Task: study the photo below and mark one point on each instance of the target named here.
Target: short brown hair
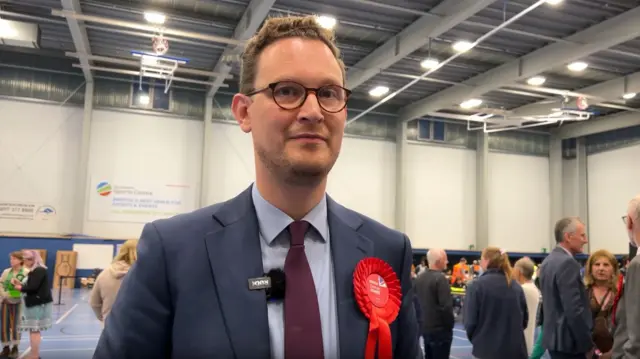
(278, 28)
(17, 255)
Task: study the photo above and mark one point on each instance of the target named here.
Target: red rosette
(379, 296)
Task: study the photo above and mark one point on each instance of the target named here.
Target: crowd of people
(581, 312)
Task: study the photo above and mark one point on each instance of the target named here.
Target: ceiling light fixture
(6, 30)
(629, 95)
(144, 99)
(327, 22)
(536, 80)
(578, 66)
(429, 63)
(155, 17)
(462, 46)
(554, 2)
(474, 102)
(378, 91)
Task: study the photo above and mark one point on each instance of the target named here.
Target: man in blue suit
(187, 297)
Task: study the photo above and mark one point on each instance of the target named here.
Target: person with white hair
(434, 296)
(626, 311)
(523, 271)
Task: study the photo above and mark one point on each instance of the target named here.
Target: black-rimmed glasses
(290, 95)
(624, 219)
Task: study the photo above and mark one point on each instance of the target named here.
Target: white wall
(39, 147)
(142, 149)
(613, 179)
(362, 179)
(519, 202)
(441, 197)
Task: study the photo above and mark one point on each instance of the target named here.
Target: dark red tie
(302, 329)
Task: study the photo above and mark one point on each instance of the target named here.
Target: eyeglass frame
(624, 219)
(272, 86)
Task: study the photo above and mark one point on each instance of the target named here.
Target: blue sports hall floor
(76, 331)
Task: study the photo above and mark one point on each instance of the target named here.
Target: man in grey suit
(568, 323)
(626, 342)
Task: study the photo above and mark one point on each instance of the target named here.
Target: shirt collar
(566, 250)
(273, 221)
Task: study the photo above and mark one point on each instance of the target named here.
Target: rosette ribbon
(379, 295)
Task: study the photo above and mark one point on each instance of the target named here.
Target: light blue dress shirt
(275, 242)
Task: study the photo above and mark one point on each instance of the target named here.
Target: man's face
(576, 240)
(300, 145)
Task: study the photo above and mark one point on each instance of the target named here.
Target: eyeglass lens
(291, 95)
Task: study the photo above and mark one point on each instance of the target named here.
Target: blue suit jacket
(187, 295)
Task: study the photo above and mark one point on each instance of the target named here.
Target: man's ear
(240, 109)
(630, 223)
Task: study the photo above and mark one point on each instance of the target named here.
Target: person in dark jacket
(495, 311)
(38, 301)
(436, 302)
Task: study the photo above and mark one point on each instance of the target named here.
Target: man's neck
(295, 201)
(564, 246)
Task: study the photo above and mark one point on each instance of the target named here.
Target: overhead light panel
(629, 95)
(474, 102)
(327, 22)
(577, 66)
(154, 17)
(462, 46)
(554, 2)
(144, 99)
(7, 30)
(378, 91)
(429, 63)
(536, 80)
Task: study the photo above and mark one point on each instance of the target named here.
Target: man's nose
(310, 109)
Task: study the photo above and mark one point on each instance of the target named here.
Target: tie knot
(298, 229)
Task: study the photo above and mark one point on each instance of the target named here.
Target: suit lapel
(348, 247)
(235, 256)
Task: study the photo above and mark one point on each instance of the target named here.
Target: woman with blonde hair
(10, 309)
(37, 306)
(108, 282)
(495, 310)
(600, 277)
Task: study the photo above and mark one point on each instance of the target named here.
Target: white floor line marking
(65, 315)
(24, 353)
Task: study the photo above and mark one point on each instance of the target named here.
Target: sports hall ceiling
(383, 43)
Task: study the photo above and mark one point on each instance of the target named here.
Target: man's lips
(308, 136)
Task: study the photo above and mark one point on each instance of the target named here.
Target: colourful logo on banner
(103, 188)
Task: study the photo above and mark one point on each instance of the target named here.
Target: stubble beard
(294, 174)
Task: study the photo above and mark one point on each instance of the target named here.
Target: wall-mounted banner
(26, 211)
(112, 201)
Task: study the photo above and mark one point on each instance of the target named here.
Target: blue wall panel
(52, 245)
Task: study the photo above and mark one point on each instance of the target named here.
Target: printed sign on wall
(26, 211)
(137, 203)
